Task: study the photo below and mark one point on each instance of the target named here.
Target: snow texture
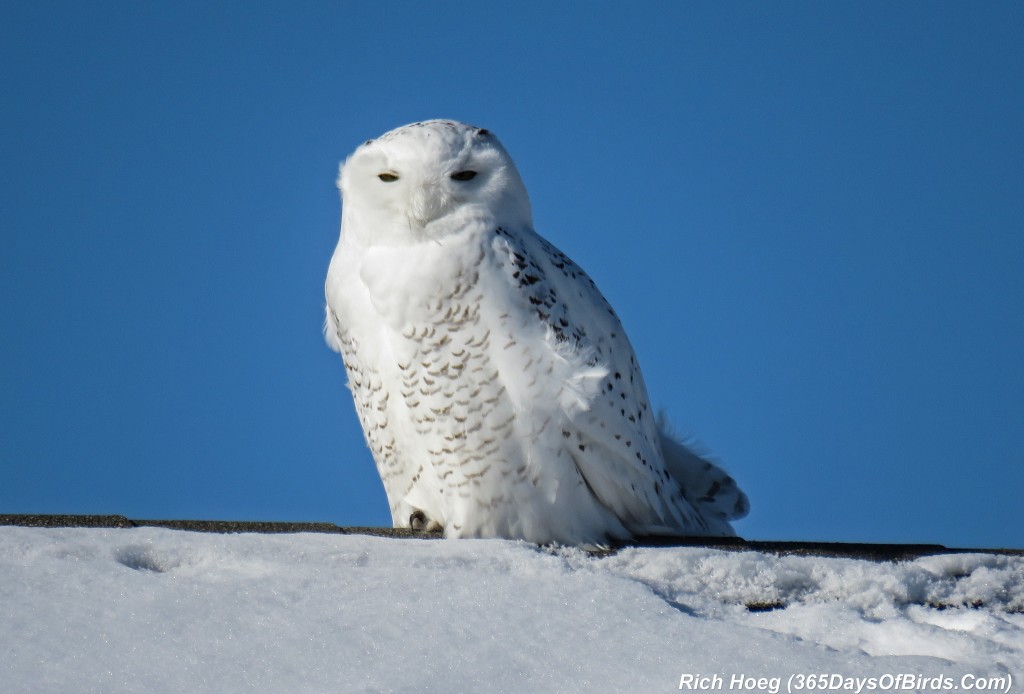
(156, 610)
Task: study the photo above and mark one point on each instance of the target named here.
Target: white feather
(496, 388)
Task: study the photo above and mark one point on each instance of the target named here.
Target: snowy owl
(494, 383)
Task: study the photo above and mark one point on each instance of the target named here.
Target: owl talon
(418, 521)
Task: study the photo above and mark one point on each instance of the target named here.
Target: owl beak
(428, 203)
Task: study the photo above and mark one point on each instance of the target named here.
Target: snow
(156, 610)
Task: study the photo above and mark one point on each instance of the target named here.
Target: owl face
(427, 181)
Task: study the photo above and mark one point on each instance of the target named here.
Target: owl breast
(464, 394)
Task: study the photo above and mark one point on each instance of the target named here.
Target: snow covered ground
(156, 610)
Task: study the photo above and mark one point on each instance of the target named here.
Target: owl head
(427, 181)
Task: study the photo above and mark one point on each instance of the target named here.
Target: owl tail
(713, 493)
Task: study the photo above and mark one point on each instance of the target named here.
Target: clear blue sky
(809, 216)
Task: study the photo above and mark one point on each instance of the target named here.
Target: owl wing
(370, 389)
(608, 428)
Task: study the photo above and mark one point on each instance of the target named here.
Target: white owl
(495, 385)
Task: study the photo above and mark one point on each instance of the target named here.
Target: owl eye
(387, 177)
(463, 175)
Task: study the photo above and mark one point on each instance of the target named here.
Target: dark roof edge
(852, 550)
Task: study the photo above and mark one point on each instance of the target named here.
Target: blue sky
(809, 216)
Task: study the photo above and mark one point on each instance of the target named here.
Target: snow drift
(155, 610)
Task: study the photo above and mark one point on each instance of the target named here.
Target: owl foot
(418, 521)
